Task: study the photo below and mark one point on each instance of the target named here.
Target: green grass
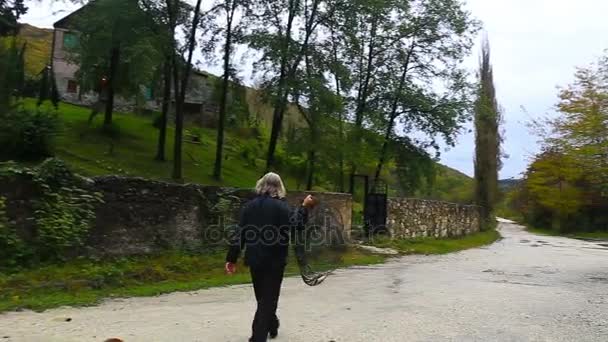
(438, 246)
(88, 150)
(574, 235)
(87, 282)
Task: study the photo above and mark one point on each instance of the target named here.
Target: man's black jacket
(264, 229)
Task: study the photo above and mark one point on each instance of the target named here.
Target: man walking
(264, 229)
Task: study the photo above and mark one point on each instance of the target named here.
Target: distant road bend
(523, 288)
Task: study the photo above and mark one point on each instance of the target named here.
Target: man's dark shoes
(274, 329)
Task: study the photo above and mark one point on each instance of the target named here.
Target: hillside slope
(131, 153)
(38, 50)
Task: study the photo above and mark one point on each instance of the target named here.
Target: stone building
(198, 97)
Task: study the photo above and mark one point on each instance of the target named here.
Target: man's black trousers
(267, 287)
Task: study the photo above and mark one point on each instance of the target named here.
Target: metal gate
(375, 209)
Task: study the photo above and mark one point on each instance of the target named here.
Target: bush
(27, 135)
(12, 248)
(250, 153)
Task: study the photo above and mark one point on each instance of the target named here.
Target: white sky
(536, 45)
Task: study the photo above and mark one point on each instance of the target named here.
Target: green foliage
(565, 188)
(62, 212)
(12, 248)
(447, 185)
(117, 24)
(414, 167)
(27, 134)
(10, 12)
(487, 138)
(11, 71)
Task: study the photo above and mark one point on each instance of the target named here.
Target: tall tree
(436, 36)
(581, 130)
(317, 105)
(167, 15)
(232, 33)
(181, 86)
(11, 56)
(566, 186)
(116, 41)
(487, 137)
(553, 181)
(10, 12)
(283, 48)
(369, 32)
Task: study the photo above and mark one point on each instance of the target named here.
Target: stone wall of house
(412, 218)
(141, 216)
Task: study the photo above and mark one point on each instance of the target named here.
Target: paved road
(523, 288)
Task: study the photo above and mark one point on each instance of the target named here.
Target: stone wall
(141, 216)
(412, 218)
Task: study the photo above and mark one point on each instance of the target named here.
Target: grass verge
(438, 246)
(87, 282)
(577, 235)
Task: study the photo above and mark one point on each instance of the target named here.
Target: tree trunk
(362, 101)
(217, 170)
(341, 154)
(181, 97)
(179, 123)
(311, 169)
(393, 115)
(114, 60)
(340, 117)
(277, 115)
(285, 79)
(162, 130)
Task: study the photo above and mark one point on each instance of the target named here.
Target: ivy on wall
(62, 212)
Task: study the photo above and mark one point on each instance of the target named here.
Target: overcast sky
(536, 45)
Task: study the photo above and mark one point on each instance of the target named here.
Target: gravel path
(523, 288)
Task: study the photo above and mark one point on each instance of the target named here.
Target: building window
(70, 40)
(148, 94)
(72, 87)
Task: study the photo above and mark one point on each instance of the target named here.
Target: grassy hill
(450, 185)
(38, 51)
(508, 184)
(131, 150)
(131, 153)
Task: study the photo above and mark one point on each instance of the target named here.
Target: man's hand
(230, 268)
(309, 202)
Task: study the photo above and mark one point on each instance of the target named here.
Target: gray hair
(271, 185)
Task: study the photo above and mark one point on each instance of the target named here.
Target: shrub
(250, 152)
(12, 248)
(27, 135)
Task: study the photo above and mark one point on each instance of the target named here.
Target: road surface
(523, 288)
